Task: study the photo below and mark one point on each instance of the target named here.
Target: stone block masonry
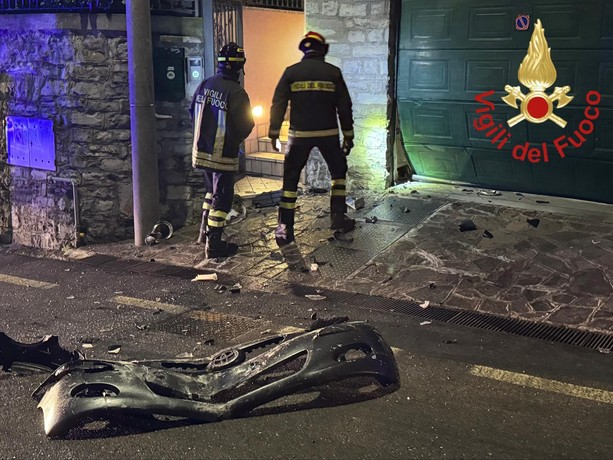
(358, 33)
(79, 79)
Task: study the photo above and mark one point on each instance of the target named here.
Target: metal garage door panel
(461, 75)
(477, 24)
(497, 169)
(443, 162)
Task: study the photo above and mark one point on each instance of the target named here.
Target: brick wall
(358, 34)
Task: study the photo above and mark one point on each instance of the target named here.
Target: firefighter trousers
(219, 186)
(296, 157)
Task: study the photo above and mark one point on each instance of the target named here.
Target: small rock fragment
(534, 222)
(487, 234)
(467, 226)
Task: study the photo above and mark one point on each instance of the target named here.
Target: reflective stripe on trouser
(337, 197)
(287, 207)
(217, 218)
(207, 204)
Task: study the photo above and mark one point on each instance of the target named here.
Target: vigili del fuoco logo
(537, 73)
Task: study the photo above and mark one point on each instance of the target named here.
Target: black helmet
(231, 58)
(313, 43)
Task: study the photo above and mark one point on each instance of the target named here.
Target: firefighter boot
(284, 235)
(341, 223)
(216, 247)
(202, 235)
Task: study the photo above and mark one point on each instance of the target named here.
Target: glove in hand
(274, 141)
(347, 146)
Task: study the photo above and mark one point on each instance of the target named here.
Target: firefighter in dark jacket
(318, 98)
(222, 118)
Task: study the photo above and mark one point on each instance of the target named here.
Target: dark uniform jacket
(222, 118)
(316, 92)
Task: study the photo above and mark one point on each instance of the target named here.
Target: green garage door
(451, 51)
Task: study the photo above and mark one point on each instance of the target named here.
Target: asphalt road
(465, 393)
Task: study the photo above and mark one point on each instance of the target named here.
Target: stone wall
(76, 74)
(358, 33)
(5, 202)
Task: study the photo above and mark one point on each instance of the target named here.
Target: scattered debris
(185, 355)
(371, 220)
(425, 304)
(315, 296)
(355, 203)
(314, 267)
(87, 345)
(406, 210)
(209, 342)
(324, 322)
(206, 277)
(268, 199)
(414, 191)
(606, 351)
(542, 202)
(162, 230)
(467, 190)
(432, 285)
(70, 297)
(314, 316)
(114, 349)
(489, 192)
(595, 242)
(534, 222)
(451, 341)
(425, 323)
(467, 226)
(45, 354)
(235, 289)
(487, 234)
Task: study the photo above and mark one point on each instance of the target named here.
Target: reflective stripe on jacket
(316, 92)
(222, 118)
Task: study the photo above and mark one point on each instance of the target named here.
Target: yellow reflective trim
(337, 192)
(338, 182)
(348, 133)
(208, 196)
(288, 194)
(220, 135)
(218, 213)
(206, 205)
(320, 133)
(216, 223)
(327, 86)
(231, 59)
(207, 156)
(285, 205)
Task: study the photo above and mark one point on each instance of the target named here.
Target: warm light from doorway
(257, 111)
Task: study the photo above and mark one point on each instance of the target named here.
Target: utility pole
(208, 22)
(145, 185)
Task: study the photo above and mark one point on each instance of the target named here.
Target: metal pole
(210, 63)
(142, 114)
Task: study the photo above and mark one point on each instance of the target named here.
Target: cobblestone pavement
(538, 258)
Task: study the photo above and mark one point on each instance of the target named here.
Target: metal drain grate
(524, 328)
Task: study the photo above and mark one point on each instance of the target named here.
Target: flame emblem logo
(537, 73)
